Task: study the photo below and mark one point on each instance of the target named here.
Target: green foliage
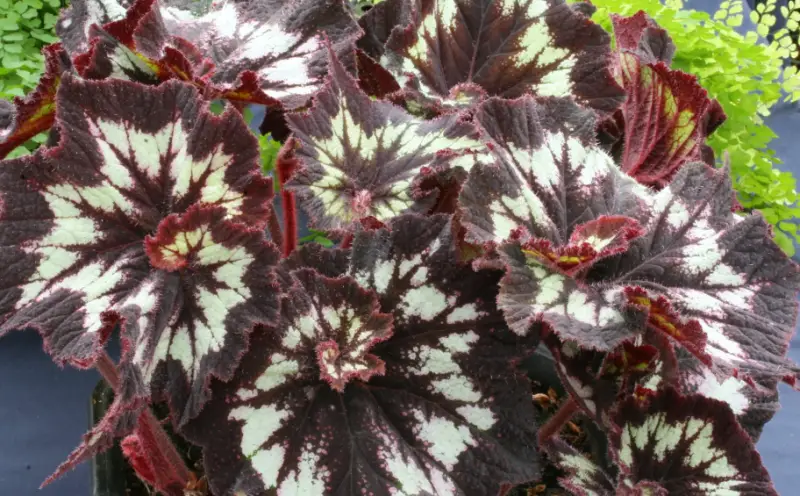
(316, 237)
(746, 77)
(269, 153)
(25, 27)
(361, 6)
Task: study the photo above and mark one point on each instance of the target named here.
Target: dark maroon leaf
(665, 109)
(379, 22)
(687, 445)
(549, 176)
(716, 277)
(663, 318)
(373, 78)
(266, 51)
(139, 48)
(590, 242)
(364, 158)
(76, 20)
(26, 117)
(595, 318)
(507, 48)
(718, 268)
(133, 162)
(580, 372)
(641, 35)
(327, 262)
(582, 476)
(445, 415)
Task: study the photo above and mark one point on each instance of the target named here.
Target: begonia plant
(531, 278)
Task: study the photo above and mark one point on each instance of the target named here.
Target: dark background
(44, 410)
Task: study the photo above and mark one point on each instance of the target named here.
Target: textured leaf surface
(26, 117)
(717, 268)
(364, 158)
(753, 406)
(532, 292)
(714, 281)
(550, 174)
(446, 415)
(139, 48)
(640, 34)
(75, 219)
(582, 477)
(664, 112)
(686, 445)
(76, 21)
(454, 50)
(266, 50)
(379, 22)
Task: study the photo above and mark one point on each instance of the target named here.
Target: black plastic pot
(111, 475)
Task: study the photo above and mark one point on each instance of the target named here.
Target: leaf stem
(553, 426)
(285, 166)
(347, 242)
(149, 426)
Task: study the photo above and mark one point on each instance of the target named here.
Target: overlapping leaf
(553, 183)
(583, 477)
(665, 110)
(675, 444)
(139, 48)
(266, 51)
(691, 270)
(716, 268)
(26, 117)
(134, 162)
(753, 405)
(550, 174)
(76, 21)
(363, 158)
(454, 52)
(594, 317)
(438, 410)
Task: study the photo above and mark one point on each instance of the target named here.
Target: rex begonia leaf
(364, 158)
(640, 34)
(266, 51)
(75, 22)
(753, 405)
(589, 243)
(673, 444)
(379, 22)
(26, 117)
(717, 268)
(594, 317)
(135, 216)
(431, 407)
(455, 50)
(549, 174)
(582, 476)
(664, 112)
(702, 265)
(139, 48)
